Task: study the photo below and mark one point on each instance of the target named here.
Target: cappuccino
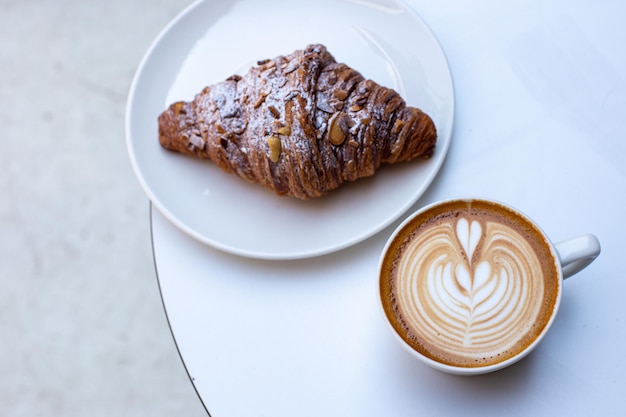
(469, 283)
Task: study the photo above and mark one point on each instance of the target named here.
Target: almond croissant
(300, 124)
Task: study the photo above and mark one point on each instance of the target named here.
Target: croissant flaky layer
(300, 124)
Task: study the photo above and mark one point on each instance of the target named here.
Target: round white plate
(211, 40)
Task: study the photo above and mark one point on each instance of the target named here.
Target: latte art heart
(470, 302)
(469, 290)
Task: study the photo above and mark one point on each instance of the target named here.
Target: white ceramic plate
(211, 40)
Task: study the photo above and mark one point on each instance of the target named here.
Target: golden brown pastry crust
(300, 124)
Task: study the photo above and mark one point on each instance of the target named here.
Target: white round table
(540, 124)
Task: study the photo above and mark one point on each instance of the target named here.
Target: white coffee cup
(470, 286)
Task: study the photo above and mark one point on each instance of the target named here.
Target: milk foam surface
(470, 290)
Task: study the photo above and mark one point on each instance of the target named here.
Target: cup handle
(575, 254)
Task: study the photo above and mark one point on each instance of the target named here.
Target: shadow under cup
(469, 286)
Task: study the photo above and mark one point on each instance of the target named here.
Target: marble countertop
(82, 324)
